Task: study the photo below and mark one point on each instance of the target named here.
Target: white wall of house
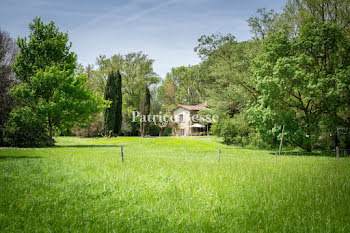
(183, 128)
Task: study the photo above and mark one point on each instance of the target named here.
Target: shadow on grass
(303, 153)
(86, 146)
(19, 157)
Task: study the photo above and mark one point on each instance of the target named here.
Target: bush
(237, 131)
(26, 129)
(233, 130)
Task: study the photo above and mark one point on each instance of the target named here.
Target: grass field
(169, 185)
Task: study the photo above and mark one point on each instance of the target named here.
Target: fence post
(276, 157)
(219, 155)
(281, 141)
(121, 150)
(337, 151)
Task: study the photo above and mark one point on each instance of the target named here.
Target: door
(182, 132)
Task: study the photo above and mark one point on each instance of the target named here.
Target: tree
(8, 51)
(96, 84)
(182, 86)
(45, 47)
(113, 114)
(50, 86)
(230, 87)
(211, 43)
(298, 13)
(163, 120)
(62, 97)
(303, 81)
(119, 105)
(263, 23)
(137, 72)
(145, 109)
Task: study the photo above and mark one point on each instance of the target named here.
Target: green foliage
(237, 130)
(26, 129)
(136, 70)
(119, 105)
(301, 83)
(263, 23)
(96, 83)
(60, 95)
(145, 109)
(230, 88)
(298, 13)
(46, 47)
(300, 79)
(182, 86)
(113, 114)
(209, 44)
(52, 90)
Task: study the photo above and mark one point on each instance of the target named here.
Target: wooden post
(121, 150)
(337, 151)
(281, 141)
(276, 157)
(219, 155)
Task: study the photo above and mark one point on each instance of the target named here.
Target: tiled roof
(193, 107)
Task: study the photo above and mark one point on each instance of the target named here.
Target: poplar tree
(119, 104)
(110, 112)
(145, 109)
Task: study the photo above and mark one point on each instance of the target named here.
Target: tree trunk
(50, 128)
(161, 130)
(142, 129)
(336, 139)
(308, 147)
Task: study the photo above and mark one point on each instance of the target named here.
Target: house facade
(184, 125)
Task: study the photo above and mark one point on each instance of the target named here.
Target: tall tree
(297, 13)
(209, 44)
(119, 104)
(50, 86)
(112, 95)
(263, 23)
(45, 47)
(136, 70)
(8, 51)
(229, 85)
(303, 81)
(182, 85)
(145, 109)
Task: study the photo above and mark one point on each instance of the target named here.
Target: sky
(166, 30)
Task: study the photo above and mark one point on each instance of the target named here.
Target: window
(181, 118)
(182, 132)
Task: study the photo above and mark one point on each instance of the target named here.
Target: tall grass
(169, 185)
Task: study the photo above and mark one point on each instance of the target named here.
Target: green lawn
(169, 185)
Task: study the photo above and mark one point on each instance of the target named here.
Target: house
(186, 123)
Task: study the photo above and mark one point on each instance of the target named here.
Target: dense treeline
(300, 77)
(294, 71)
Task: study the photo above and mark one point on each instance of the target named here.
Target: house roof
(193, 107)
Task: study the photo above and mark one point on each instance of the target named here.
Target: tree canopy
(50, 88)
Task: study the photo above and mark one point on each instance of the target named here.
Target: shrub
(237, 131)
(26, 129)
